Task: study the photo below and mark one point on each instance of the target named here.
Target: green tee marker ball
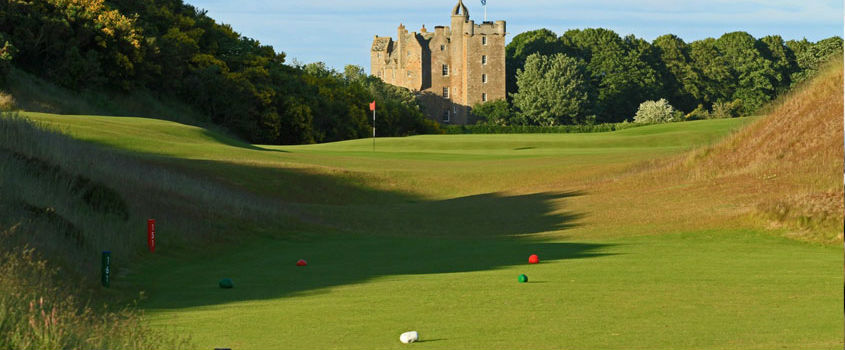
(523, 278)
(226, 283)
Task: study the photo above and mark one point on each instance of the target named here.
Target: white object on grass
(409, 337)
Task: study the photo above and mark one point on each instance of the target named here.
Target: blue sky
(340, 32)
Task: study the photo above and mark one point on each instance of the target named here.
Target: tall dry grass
(42, 309)
(785, 170)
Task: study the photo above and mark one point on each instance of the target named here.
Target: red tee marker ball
(301, 262)
(533, 259)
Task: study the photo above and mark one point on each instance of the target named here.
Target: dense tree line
(595, 75)
(169, 47)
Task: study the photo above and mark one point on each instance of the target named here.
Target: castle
(450, 69)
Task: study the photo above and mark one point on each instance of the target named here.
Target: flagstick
(374, 129)
(485, 13)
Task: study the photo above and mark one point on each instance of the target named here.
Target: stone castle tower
(450, 69)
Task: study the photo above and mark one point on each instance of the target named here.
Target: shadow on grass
(230, 141)
(267, 270)
(398, 234)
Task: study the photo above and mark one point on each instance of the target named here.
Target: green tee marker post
(106, 268)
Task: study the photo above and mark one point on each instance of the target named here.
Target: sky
(341, 32)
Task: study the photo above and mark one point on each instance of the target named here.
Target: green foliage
(653, 112)
(756, 78)
(552, 90)
(496, 112)
(621, 71)
(542, 41)
(676, 71)
(723, 109)
(810, 57)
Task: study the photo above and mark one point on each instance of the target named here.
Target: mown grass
(725, 289)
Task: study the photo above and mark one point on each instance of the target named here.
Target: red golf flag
(373, 105)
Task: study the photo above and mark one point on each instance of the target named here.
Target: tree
(774, 49)
(715, 80)
(552, 90)
(542, 41)
(756, 79)
(676, 71)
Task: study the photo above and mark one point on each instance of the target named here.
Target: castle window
(409, 74)
(446, 115)
(446, 92)
(484, 78)
(483, 59)
(483, 40)
(483, 97)
(442, 47)
(445, 70)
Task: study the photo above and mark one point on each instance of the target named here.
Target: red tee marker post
(151, 235)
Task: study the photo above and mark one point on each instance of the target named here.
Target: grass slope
(430, 232)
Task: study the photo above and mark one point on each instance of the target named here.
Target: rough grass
(41, 308)
(785, 169)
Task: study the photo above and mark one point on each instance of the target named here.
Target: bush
(723, 109)
(659, 111)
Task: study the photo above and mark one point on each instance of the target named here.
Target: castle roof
(460, 9)
(381, 43)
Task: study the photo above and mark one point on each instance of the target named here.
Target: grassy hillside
(796, 155)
